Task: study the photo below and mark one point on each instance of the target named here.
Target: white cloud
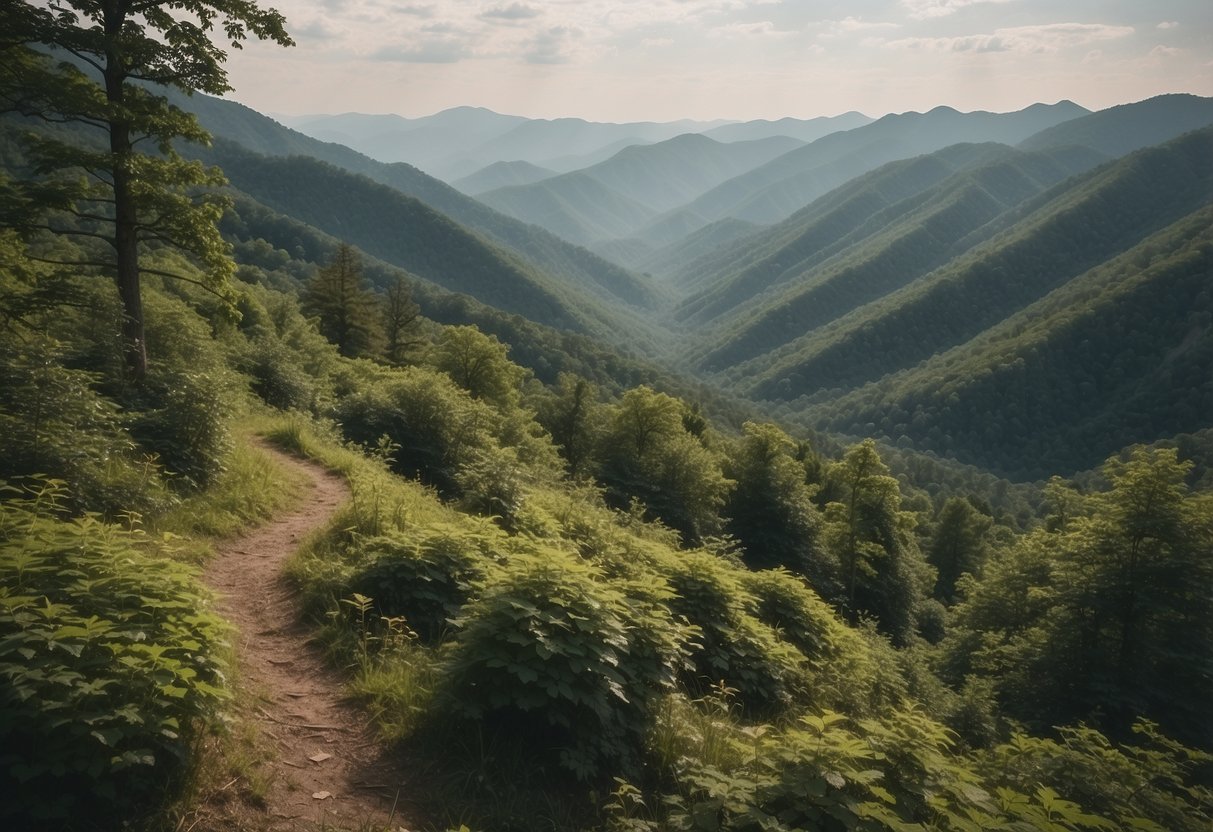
(438, 51)
(926, 9)
(551, 45)
(1168, 24)
(851, 25)
(512, 12)
(1048, 37)
(762, 28)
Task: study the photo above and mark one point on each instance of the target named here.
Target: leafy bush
(564, 663)
(108, 662)
(53, 422)
(426, 579)
(277, 378)
(732, 645)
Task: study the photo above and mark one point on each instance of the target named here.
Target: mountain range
(997, 289)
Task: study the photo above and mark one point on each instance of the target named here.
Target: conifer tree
(115, 180)
(346, 311)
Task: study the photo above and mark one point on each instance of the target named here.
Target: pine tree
(106, 188)
(346, 311)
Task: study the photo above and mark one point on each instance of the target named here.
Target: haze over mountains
(913, 277)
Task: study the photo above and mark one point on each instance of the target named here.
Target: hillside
(1128, 127)
(574, 206)
(867, 240)
(501, 175)
(1119, 355)
(1053, 238)
(407, 233)
(804, 130)
(557, 258)
(777, 189)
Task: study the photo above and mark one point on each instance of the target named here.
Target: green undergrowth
(587, 673)
(111, 662)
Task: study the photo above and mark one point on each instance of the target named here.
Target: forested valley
(856, 477)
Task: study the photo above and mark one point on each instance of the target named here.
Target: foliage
(110, 660)
(425, 578)
(546, 654)
(733, 647)
(347, 313)
(154, 196)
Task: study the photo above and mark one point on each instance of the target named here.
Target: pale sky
(660, 60)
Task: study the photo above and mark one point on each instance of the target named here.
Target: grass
(252, 488)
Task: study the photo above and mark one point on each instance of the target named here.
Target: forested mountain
(407, 233)
(575, 206)
(427, 143)
(557, 258)
(501, 175)
(1128, 127)
(1044, 243)
(864, 241)
(777, 189)
(1120, 354)
(805, 130)
(616, 197)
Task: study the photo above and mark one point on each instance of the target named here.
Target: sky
(661, 60)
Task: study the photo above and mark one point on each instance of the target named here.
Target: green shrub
(108, 665)
(53, 422)
(427, 579)
(563, 663)
(733, 646)
(277, 378)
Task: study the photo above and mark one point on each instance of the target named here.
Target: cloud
(1048, 37)
(850, 25)
(1168, 24)
(437, 51)
(1161, 51)
(926, 9)
(512, 12)
(657, 42)
(762, 28)
(551, 45)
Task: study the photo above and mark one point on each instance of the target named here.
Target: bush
(564, 663)
(108, 666)
(427, 579)
(733, 646)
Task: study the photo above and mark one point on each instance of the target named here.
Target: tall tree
(346, 311)
(400, 317)
(123, 187)
(958, 544)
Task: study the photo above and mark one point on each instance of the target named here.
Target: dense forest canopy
(660, 604)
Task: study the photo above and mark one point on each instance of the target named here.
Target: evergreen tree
(958, 545)
(346, 311)
(400, 318)
(106, 189)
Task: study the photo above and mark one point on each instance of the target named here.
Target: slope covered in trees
(1046, 242)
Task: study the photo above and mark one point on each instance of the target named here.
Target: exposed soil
(321, 765)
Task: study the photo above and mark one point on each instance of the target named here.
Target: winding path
(325, 768)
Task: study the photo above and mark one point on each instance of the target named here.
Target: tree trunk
(126, 231)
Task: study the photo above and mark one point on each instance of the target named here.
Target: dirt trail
(325, 769)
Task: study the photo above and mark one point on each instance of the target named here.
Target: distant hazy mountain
(574, 206)
(806, 130)
(614, 198)
(502, 175)
(426, 142)
(1128, 127)
(548, 253)
(786, 184)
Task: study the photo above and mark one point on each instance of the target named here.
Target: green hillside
(861, 251)
(501, 175)
(1055, 237)
(777, 189)
(1120, 354)
(671, 173)
(575, 206)
(559, 259)
(1128, 127)
(407, 233)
